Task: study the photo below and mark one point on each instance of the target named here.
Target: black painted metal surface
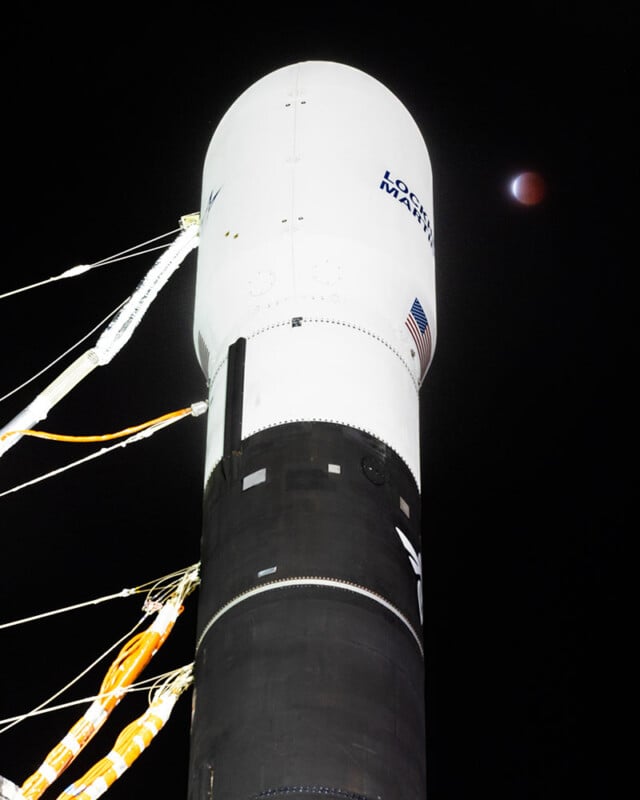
(309, 668)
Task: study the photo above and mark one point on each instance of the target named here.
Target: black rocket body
(315, 325)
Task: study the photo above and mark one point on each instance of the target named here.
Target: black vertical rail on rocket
(233, 407)
(309, 666)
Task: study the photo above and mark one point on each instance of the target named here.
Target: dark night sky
(105, 128)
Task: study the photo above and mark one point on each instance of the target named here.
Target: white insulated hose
(111, 341)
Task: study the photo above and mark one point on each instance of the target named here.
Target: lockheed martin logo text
(399, 189)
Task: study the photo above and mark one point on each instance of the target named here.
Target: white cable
(125, 751)
(139, 686)
(110, 342)
(45, 614)
(117, 256)
(176, 676)
(114, 259)
(82, 268)
(44, 703)
(165, 615)
(40, 406)
(155, 584)
(177, 574)
(66, 352)
(135, 438)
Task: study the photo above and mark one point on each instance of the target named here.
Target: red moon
(528, 188)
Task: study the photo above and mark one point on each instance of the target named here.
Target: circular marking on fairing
(332, 583)
(261, 282)
(327, 273)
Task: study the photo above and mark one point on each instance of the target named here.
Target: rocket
(315, 325)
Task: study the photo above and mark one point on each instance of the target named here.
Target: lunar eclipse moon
(528, 188)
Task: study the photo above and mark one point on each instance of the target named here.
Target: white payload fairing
(316, 245)
(315, 324)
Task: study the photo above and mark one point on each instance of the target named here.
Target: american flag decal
(421, 333)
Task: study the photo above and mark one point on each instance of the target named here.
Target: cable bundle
(135, 738)
(129, 663)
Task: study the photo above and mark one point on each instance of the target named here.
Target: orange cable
(131, 660)
(58, 437)
(131, 742)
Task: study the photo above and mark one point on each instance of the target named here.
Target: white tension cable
(80, 269)
(113, 339)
